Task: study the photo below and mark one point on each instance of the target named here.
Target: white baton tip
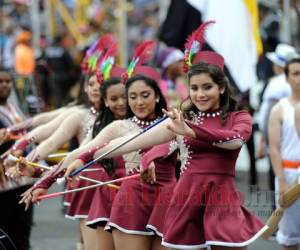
(60, 181)
(10, 157)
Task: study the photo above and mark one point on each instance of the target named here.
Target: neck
(96, 106)
(3, 101)
(143, 122)
(295, 97)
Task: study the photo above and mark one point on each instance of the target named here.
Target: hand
(17, 152)
(148, 174)
(13, 173)
(262, 149)
(31, 196)
(3, 135)
(73, 166)
(21, 169)
(283, 187)
(177, 123)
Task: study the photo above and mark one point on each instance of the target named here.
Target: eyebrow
(143, 92)
(203, 84)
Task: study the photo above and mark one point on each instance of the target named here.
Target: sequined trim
(229, 141)
(173, 146)
(143, 123)
(185, 153)
(87, 124)
(198, 118)
(133, 159)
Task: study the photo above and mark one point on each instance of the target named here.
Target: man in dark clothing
(15, 222)
(60, 65)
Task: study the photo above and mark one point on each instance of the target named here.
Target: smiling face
(93, 91)
(204, 92)
(115, 100)
(142, 100)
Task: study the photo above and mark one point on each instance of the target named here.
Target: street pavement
(52, 231)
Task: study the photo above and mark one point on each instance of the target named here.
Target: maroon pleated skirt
(139, 207)
(81, 201)
(207, 210)
(104, 196)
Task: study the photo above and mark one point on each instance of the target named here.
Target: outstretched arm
(157, 135)
(230, 139)
(37, 120)
(44, 131)
(65, 131)
(110, 132)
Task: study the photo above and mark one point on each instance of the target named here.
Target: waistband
(290, 164)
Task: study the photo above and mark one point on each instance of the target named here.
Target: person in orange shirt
(24, 55)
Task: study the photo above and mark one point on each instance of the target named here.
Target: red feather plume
(144, 51)
(197, 35)
(111, 51)
(105, 41)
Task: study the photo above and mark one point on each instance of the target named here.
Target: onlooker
(60, 64)
(284, 153)
(173, 86)
(277, 88)
(7, 48)
(14, 220)
(269, 27)
(24, 54)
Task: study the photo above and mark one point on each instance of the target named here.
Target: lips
(121, 110)
(141, 110)
(202, 102)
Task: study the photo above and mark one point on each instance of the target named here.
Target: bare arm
(37, 120)
(297, 119)
(157, 135)
(46, 116)
(107, 134)
(66, 130)
(44, 131)
(274, 131)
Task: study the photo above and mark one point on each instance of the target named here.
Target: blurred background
(51, 36)
(58, 32)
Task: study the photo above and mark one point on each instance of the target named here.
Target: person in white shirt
(277, 89)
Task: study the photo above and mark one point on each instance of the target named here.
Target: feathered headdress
(194, 44)
(142, 54)
(106, 63)
(95, 52)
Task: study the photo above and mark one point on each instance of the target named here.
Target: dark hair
(286, 68)
(228, 102)
(104, 118)
(82, 98)
(162, 104)
(105, 115)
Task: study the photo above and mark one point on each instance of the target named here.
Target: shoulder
(297, 109)
(277, 110)
(240, 115)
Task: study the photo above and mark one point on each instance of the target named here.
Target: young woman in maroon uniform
(145, 207)
(205, 209)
